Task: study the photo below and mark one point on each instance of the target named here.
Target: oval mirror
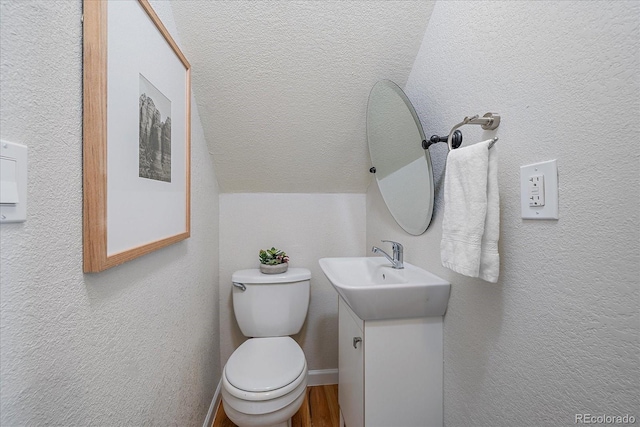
(402, 167)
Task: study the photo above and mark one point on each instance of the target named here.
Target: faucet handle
(396, 246)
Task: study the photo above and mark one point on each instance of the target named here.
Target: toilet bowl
(265, 379)
(264, 382)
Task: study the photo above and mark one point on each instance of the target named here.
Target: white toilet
(265, 379)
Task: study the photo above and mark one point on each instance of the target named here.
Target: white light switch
(13, 182)
(8, 182)
(539, 190)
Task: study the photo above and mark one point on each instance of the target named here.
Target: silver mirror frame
(402, 167)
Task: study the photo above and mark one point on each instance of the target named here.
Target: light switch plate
(14, 158)
(547, 174)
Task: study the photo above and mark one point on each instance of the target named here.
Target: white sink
(375, 291)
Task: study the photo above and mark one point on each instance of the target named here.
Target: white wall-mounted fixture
(539, 190)
(390, 334)
(13, 182)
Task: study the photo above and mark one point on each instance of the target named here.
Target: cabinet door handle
(356, 340)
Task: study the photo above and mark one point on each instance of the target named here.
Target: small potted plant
(273, 261)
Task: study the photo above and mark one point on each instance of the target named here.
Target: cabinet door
(350, 368)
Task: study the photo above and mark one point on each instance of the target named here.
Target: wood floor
(319, 409)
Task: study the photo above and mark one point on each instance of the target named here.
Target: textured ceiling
(282, 87)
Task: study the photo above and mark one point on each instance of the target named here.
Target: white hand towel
(471, 223)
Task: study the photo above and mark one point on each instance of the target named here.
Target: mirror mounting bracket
(456, 140)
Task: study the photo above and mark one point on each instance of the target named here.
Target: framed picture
(137, 132)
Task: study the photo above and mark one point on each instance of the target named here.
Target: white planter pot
(274, 269)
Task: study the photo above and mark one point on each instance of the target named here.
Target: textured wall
(134, 345)
(308, 227)
(559, 333)
(283, 86)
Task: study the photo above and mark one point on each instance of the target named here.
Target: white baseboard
(215, 402)
(322, 377)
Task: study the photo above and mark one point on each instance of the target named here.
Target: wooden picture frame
(136, 136)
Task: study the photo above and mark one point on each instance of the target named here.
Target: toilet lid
(265, 364)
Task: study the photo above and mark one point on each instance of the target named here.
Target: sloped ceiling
(282, 86)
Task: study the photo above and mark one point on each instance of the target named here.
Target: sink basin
(375, 291)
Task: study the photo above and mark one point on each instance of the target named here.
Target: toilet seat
(265, 368)
(244, 412)
(265, 364)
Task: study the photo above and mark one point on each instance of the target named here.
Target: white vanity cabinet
(394, 376)
(350, 366)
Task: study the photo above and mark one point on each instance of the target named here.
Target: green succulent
(273, 256)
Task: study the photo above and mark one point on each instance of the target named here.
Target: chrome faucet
(396, 259)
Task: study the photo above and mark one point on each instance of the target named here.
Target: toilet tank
(272, 305)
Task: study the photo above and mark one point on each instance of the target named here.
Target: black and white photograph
(155, 133)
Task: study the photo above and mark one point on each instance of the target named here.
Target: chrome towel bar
(489, 121)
